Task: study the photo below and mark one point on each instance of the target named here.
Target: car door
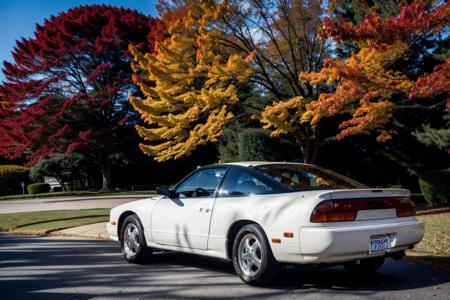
(184, 220)
(236, 201)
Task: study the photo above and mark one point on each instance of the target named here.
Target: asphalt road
(61, 203)
(71, 268)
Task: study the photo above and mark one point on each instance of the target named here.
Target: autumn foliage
(189, 87)
(97, 80)
(68, 85)
(284, 37)
(369, 85)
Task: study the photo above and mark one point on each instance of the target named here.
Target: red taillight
(406, 208)
(344, 210)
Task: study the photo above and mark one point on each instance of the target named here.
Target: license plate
(380, 244)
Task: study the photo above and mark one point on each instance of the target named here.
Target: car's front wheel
(133, 244)
(252, 257)
(365, 266)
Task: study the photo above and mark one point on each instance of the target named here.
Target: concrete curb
(96, 231)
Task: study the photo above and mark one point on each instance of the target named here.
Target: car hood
(135, 205)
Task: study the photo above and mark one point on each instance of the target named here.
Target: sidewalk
(64, 203)
(96, 231)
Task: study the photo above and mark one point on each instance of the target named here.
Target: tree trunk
(60, 180)
(82, 183)
(308, 141)
(90, 182)
(106, 175)
(304, 147)
(309, 148)
(314, 149)
(71, 183)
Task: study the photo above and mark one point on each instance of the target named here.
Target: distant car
(262, 215)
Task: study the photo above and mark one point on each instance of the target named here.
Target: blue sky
(18, 18)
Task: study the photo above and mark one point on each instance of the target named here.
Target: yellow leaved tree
(189, 88)
(284, 118)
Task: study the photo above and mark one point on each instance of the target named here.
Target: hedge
(258, 145)
(10, 178)
(435, 187)
(38, 188)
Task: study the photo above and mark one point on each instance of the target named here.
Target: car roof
(261, 163)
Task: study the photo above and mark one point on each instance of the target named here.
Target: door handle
(205, 209)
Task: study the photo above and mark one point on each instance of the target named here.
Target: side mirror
(165, 191)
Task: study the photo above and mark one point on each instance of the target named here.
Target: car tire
(253, 259)
(365, 266)
(132, 241)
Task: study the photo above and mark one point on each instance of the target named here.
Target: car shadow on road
(56, 268)
(394, 275)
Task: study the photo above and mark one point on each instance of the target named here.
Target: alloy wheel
(250, 255)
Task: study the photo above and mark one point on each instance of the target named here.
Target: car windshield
(300, 177)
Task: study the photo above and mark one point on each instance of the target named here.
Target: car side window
(298, 179)
(202, 183)
(240, 182)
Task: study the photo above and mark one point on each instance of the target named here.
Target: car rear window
(306, 177)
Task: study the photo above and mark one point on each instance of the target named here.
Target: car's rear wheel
(133, 244)
(365, 266)
(252, 257)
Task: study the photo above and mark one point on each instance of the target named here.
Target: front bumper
(339, 244)
(112, 231)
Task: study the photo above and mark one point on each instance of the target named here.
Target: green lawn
(44, 222)
(75, 193)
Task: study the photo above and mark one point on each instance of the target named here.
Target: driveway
(60, 203)
(72, 268)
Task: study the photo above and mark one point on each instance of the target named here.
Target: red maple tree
(68, 86)
(396, 65)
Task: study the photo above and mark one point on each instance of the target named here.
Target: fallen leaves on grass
(435, 247)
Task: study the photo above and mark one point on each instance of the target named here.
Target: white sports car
(262, 215)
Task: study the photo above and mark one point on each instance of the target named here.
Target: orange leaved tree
(387, 72)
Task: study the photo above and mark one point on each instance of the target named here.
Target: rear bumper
(339, 244)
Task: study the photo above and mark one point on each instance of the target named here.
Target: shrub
(258, 145)
(435, 187)
(228, 144)
(38, 188)
(10, 178)
(64, 168)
